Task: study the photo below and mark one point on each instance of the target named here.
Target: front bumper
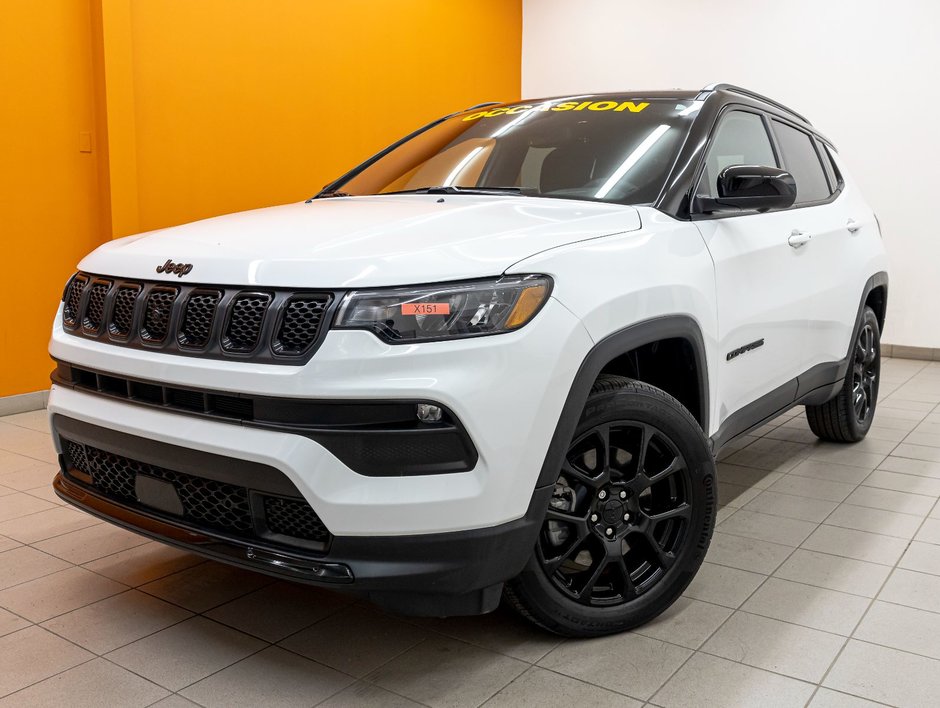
(430, 574)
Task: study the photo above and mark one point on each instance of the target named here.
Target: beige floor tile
(723, 513)
(175, 700)
(273, 677)
(777, 646)
(812, 487)
(13, 506)
(39, 474)
(711, 681)
(913, 589)
(538, 688)
(12, 462)
(918, 468)
(887, 523)
(859, 545)
(900, 627)
(14, 438)
(185, 653)
(4, 491)
(116, 621)
(900, 482)
(205, 586)
(355, 640)
(46, 493)
(7, 544)
(923, 557)
(809, 606)
(503, 631)
(746, 553)
(55, 594)
(11, 623)
(921, 438)
(55, 521)
(746, 476)
(24, 563)
(643, 664)
(847, 455)
(365, 695)
(143, 564)
(764, 527)
(445, 672)
(876, 432)
(771, 455)
(279, 610)
(91, 685)
(927, 453)
(930, 532)
(735, 495)
(792, 507)
(800, 434)
(33, 654)
(90, 543)
(898, 403)
(827, 698)
(687, 622)
(834, 572)
(34, 420)
(721, 585)
(831, 471)
(889, 500)
(886, 675)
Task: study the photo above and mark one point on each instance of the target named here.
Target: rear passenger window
(802, 161)
(741, 139)
(832, 172)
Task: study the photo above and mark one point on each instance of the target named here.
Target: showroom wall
(860, 69)
(48, 187)
(128, 115)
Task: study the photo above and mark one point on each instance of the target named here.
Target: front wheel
(630, 517)
(848, 416)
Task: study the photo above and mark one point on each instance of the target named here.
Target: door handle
(852, 225)
(798, 238)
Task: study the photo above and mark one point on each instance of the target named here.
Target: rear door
(762, 298)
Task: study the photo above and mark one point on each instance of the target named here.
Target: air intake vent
(73, 301)
(122, 314)
(198, 317)
(157, 314)
(245, 322)
(94, 311)
(300, 324)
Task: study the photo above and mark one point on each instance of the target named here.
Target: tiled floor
(822, 587)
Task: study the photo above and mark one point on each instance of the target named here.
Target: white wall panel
(864, 72)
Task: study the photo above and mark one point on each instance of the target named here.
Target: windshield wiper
(334, 193)
(459, 190)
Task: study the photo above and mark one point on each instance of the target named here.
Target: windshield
(613, 149)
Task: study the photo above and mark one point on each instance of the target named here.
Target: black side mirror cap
(751, 188)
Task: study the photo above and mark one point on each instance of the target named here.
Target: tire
(643, 513)
(847, 417)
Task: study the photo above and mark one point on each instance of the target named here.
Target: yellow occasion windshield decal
(615, 106)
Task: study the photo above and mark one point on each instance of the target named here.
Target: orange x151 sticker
(425, 308)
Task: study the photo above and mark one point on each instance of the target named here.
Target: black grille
(122, 313)
(293, 517)
(94, 310)
(300, 323)
(272, 326)
(198, 317)
(206, 502)
(244, 324)
(157, 314)
(73, 300)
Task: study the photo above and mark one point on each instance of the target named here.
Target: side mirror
(752, 187)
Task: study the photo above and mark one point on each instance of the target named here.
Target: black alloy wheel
(630, 516)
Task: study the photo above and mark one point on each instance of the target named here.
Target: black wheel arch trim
(605, 351)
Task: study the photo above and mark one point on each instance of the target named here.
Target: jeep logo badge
(180, 269)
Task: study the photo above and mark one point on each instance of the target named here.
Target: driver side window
(741, 139)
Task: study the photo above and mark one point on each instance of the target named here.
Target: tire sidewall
(859, 430)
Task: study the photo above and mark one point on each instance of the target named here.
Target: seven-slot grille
(270, 324)
(206, 502)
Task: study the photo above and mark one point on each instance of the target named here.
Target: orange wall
(204, 107)
(48, 188)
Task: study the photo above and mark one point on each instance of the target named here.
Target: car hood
(363, 241)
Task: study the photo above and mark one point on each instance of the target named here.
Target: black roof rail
(751, 94)
(480, 105)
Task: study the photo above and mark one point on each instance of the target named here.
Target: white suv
(496, 359)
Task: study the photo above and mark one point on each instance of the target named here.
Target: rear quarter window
(802, 161)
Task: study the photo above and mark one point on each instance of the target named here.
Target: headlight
(446, 311)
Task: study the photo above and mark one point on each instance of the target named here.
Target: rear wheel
(630, 517)
(848, 416)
